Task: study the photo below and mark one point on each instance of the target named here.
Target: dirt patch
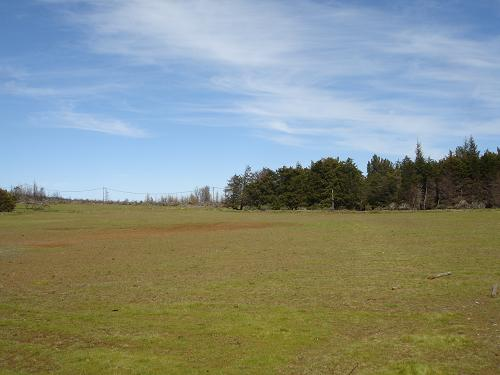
(200, 227)
(141, 232)
(25, 361)
(62, 229)
(48, 245)
(57, 340)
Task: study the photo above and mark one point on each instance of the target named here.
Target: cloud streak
(84, 121)
(23, 89)
(307, 69)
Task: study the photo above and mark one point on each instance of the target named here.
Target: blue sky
(163, 96)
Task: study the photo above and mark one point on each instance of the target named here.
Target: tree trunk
(425, 196)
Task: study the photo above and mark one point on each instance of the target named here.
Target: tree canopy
(464, 178)
(7, 201)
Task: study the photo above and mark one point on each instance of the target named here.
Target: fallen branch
(494, 289)
(439, 275)
(354, 368)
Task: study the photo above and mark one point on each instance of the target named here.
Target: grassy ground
(148, 290)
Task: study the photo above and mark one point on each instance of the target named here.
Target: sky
(162, 96)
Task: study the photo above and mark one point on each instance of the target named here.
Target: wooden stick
(439, 275)
(354, 368)
(494, 290)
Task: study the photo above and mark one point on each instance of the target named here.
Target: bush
(462, 204)
(7, 201)
(404, 206)
(478, 204)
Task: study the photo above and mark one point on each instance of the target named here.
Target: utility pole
(213, 196)
(103, 195)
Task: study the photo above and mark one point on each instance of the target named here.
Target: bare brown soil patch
(199, 227)
(182, 228)
(49, 245)
(141, 232)
(138, 232)
(24, 361)
(58, 340)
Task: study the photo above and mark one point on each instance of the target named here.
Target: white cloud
(15, 88)
(305, 69)
(21, 88)
(85, 121)
(234, 32)
(8, 72)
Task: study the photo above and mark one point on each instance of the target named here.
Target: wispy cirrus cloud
(70, 119)
(8, 71)
(23, 89)
(300, 71)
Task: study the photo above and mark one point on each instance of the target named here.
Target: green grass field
(89, 289)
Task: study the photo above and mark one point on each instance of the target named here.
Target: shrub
(478, 204)
(7, 201)
(404, 206)
(462, 204)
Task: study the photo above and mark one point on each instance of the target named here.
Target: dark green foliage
(381, 185)
(490, 176)
(236, 190)
(262, 189)
(7, 201)
(407, 191)
(464, 178)
(342, 178)
(291, 187)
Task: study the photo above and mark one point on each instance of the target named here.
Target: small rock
(494, 290)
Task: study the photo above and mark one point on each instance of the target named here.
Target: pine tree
(381, 182)
(7, 201)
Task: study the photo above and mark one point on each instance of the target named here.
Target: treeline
(200, 196)
(36, 197)
(465, 178)
(31, 194)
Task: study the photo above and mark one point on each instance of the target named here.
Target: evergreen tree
(234, 192)
(7, 201)
(490, 178)
(262, 190)
(381, 184)
(408, 189)
(421, 183)
(291, 186)
(342, 178)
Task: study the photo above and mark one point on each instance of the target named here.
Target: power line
(105, 191)
(61, 191)
(144, 193)
(73, 191)
(170, 193)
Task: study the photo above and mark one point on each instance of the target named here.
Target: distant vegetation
(465, 178)
(7, 201)
(36, 197)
